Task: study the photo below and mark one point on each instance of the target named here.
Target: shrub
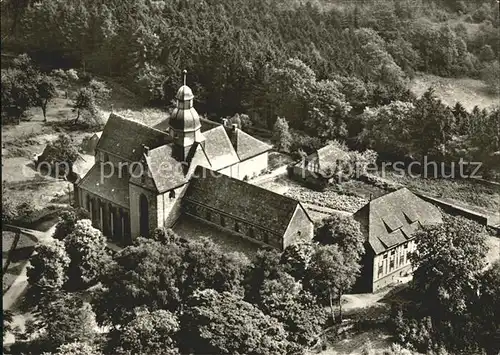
(72, 74)
(303, 141)
(67, 222)
(281, 135)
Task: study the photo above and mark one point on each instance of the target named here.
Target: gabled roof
(124, 137)
(241, 200)
(326, 157)
(218, 148)
(392, 219)
(113, 188)
(165, 171)
(245, 145)
(329, 155)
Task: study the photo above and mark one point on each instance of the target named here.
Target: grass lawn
(468, 193)
(377, 340)
(192, 229)
(18, 258)
(8, 239)
(469, 92)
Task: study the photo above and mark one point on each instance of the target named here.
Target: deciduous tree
(46, 92)
(86, 247)
(281, 135)
(77, 348)
(88, 97)
(60, 154)
(18, 93)
(67, 222)
(152, 333)
(330, 275)
(66, 320)
(296, 258)
(265, 266)
(343, 231)
(47, 270)
(145, 274)
(207, 266)
(224, 324)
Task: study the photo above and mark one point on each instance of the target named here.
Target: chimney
(145, 149)
(224, 122)
(371, 196)
(234, 126)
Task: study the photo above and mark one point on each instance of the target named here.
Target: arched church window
(209, 216)
(236, 227)
(222, 221)
(251, 233)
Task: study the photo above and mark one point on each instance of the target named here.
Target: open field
(469, 92)
(469, 193)
(22, 143)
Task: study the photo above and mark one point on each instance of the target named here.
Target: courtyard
(191, 228)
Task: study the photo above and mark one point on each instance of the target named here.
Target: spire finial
(184, 73)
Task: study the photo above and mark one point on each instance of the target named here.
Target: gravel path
(11, 297)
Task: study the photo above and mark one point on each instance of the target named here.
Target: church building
(146, 177)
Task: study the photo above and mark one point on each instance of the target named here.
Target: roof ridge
(389, 195)
(147, 160)
(239, 130)
(86, 175)
(241, 182)
(120, 117)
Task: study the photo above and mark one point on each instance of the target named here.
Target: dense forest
(236, 50)
(333, 70)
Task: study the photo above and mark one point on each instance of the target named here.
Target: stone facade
(299, 229)
(252, 232)
(112, 219)
(137, 195)
(169, 206)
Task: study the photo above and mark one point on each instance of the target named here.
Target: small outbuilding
(321, 167)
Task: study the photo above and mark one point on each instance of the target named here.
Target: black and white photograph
(250, 177)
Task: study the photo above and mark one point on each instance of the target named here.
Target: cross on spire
(184, 73)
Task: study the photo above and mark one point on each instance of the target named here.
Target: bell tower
(184, 123)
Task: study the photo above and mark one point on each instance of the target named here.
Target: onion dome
(184, 117)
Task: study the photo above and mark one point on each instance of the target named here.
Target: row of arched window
(231, 224)
(112, 220)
